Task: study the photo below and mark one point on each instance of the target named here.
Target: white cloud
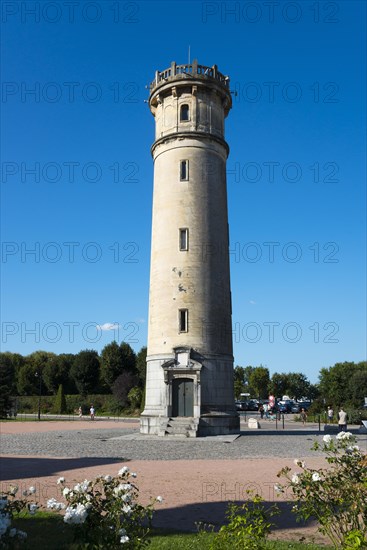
(108, 326)
(252, 302)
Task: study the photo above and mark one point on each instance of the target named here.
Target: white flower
(66, 491)
(159, 499)
(32, 508)
(31, 490)
(123, 471)
(13, 490)
(344, 435)
(299, 463)
(315, 476)
(51, 502)
(108, 478)
(327, 439)
(278, 488)
(25, 493)
(295, 479)
(54, 505)
(133, 474)
(82, 487)
(76, 515)
(60, 480)
(126, 509)
(352, 449)
(122, 488)
(124, 539)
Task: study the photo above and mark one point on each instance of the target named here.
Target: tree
(60, 401)
(27, 383)
(57, 372)
(278, 384)
(85, 371)
(141, 365)
(122, 386)
(337, 383)
(7, 384)
(259, 382)
(298, 385)
(116, 359)
(239, 385)
(134, 396)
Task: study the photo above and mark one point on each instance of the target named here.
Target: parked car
(285, 407)
(253, 405)
(241, 405)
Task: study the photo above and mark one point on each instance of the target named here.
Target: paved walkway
(196, 477)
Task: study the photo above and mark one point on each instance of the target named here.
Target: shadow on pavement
(185, 518)
(25, 467)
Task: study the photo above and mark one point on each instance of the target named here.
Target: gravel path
(127, 444)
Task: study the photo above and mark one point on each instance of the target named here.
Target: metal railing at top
(191, 69)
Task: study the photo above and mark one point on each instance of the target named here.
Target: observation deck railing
(192, 69)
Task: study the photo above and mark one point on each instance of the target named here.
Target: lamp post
(39, 376)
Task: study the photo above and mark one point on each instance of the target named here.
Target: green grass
(48, 531)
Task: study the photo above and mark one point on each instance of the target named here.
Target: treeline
(342, 384)
(118, 371)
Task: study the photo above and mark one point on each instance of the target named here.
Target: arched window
(184, 113)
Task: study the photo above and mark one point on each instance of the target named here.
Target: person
(303, 416)
(342, 420)
(261, 410)
(266, 410)
(92, 412)
(330, 414)
(80, 412)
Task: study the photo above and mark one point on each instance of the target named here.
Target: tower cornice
(202, 136)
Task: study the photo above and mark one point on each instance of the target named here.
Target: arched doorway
(182, 397)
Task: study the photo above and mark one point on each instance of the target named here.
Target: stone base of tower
(190, 427)
(218, 424)
(189, 395)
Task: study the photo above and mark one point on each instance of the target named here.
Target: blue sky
(296, 172)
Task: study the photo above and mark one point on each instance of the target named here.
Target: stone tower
(189, 388)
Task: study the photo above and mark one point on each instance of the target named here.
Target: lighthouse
(189, 382)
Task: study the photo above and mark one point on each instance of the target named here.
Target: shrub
(336, 497)
(248, 526)
(10, 506)
(60, 401)
(106, 512)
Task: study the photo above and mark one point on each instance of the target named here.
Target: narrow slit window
(183, 320)
(184, 238)
(184, 170)
(184, 113)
